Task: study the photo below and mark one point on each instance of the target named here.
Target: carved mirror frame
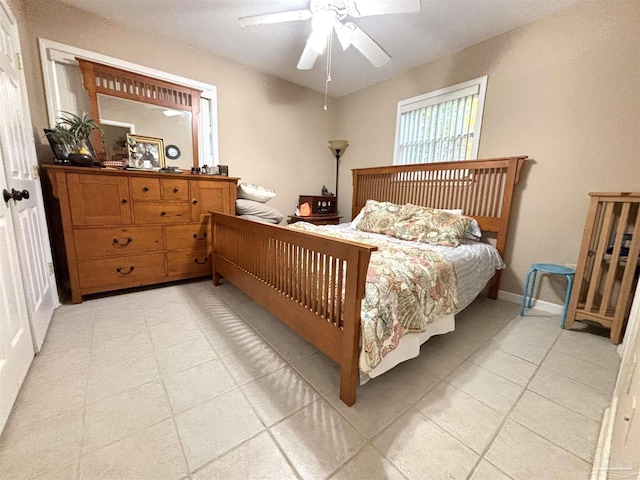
(98, 78)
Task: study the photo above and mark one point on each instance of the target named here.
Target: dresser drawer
(173, 189)
(121, 272)
(145, 188)
(108, 242)
(161, 212)
(192, 262)
(191, 236)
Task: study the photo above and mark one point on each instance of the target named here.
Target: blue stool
(554, 270)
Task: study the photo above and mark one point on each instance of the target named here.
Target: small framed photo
(60, 150)
(145, 152)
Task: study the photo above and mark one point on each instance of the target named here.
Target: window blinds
(440, 126)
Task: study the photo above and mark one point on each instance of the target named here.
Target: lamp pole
(337, 168)
(338, 147)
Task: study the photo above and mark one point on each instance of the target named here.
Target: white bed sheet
(474, 262)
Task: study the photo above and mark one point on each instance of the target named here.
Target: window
(440, 126)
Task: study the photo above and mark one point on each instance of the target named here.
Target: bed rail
(299, 277)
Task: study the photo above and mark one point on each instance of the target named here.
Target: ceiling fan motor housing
(337, 8)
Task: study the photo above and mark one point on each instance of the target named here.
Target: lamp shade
(336, 145)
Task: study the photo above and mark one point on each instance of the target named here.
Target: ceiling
(441, 27)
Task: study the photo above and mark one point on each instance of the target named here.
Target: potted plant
(74, 131)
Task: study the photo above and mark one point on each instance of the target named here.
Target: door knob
(15, 195)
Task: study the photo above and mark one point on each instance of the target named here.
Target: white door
(19, 159)
(16, 346)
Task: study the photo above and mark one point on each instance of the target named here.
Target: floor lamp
(338, 147)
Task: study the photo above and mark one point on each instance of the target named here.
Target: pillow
(428, 225)
(256, 193)
(378, 217)
(416, 223)
(357, 218)
(250, 207)
(473, 231)
(457, 211)
(259, 219)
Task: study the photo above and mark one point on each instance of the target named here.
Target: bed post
(354, 199)
(513, 175)
(349, 369)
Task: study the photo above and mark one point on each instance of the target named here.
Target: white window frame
(53, 52)
(476, 86)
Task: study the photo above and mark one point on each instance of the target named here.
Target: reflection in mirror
(119, 116)
(144, 91)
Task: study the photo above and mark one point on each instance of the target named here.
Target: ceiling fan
(327, 15)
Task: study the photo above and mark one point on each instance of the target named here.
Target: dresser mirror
(119, 116)
(127, 102)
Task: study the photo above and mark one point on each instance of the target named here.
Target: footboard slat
(312, 283)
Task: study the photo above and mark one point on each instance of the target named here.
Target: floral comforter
(407, 289)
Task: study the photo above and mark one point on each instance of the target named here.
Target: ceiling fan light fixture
(317, 41)
(323, 21)
(321, 27)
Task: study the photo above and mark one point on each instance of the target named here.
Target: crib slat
(601, 247)
(622, 221)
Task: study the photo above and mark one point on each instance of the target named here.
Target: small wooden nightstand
(316, 219)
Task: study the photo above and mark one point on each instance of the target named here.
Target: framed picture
(145, 152)
(60, 150)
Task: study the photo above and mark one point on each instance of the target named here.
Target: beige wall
(564, 90)
(271, 132)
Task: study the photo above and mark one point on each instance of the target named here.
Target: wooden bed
(295, 275)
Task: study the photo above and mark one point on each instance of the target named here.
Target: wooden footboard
(312, 283)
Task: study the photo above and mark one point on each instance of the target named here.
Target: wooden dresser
(121, 229)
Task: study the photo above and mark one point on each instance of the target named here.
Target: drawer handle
(194, 201)
(124, 200)
(206, 259)
(163, 213)
(117, 242)
(175, 190)
(121, 272)
(204, 235)
(145, 189)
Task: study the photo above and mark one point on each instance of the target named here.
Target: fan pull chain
(326, 83)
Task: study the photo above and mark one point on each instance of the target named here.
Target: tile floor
(192, 381)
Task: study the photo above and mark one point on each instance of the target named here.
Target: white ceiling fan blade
(344, 34)
(308, 57)
(293, 16)
(364, 8)
(367, 46)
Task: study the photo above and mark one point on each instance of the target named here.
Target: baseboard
(537, 304)
(601, 455)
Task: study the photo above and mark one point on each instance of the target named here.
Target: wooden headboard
(483, 189)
